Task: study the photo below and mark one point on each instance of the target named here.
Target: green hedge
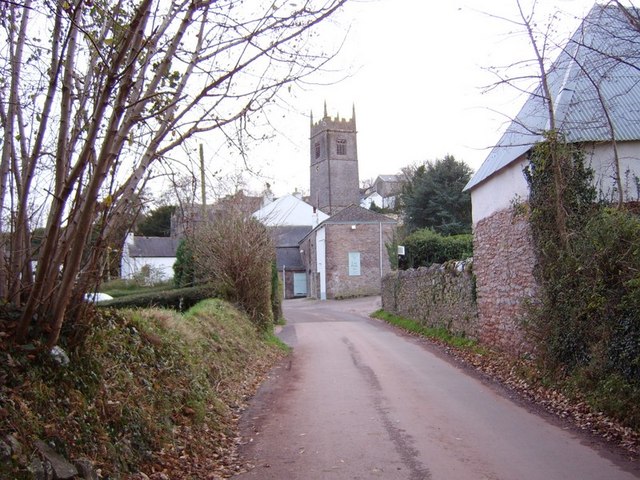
(176, 299)
(425, 247)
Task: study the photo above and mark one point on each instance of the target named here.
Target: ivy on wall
(587, 323)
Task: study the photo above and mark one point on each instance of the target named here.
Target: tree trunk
(8, 284)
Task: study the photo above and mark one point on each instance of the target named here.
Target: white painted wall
(321, 255)
(499, 192)
(162, 266)
(380, 201)
(374, 197)
(601, 159)
(131, 266)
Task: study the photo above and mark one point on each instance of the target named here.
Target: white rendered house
(595, 92)
(152, 257)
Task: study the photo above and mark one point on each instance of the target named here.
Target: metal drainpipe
(380, 224)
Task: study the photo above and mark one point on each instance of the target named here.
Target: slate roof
(289, 257)
(357, 214)
(286, 239)
(289, 236)
(153, 247)
(604, 51)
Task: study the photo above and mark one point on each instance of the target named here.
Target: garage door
(300, 284)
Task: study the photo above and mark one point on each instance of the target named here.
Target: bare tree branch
(118, 87)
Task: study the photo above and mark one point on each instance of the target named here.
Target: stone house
(346, 255)
(602, 53)
(389, 187)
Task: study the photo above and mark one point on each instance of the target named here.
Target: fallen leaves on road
(505, 371)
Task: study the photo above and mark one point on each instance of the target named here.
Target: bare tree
(597, 52)
(234, 254)
(548, 101)
(95, 93)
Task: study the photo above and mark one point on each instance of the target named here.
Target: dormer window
(341, 146)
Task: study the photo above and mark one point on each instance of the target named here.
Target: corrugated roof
(153, 247)
(600, 64)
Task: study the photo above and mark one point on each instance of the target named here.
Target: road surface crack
(402, 441)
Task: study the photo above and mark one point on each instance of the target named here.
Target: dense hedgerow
(425, 247)
(179, 299)
(587, 323)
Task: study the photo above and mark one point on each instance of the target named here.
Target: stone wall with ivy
(439, 296)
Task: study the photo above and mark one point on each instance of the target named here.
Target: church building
(334, 163)
(345, 255)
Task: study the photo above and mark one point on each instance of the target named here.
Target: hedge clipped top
(176, 299)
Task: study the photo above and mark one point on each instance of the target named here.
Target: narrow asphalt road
(358, 400)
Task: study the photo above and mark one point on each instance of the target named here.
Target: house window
(341, 146)
(317, 147)
(354, 264)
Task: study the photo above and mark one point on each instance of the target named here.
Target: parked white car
(96, 297)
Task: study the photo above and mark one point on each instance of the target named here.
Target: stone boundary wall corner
(439, 296)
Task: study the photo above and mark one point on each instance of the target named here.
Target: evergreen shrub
(184, 267)
(425, 247)
(587, 323)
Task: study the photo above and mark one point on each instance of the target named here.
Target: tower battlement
(333, 123)
(333, 153)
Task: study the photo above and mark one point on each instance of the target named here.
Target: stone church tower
(334, 163)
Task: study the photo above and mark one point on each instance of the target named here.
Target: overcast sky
(416, 75)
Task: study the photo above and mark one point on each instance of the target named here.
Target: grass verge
(440, 334)
(145, 391)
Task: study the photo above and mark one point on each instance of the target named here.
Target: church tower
(334, 163)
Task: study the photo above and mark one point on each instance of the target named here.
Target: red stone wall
(365, 238)
(309, 260)
(504, 261)
(439, 296)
